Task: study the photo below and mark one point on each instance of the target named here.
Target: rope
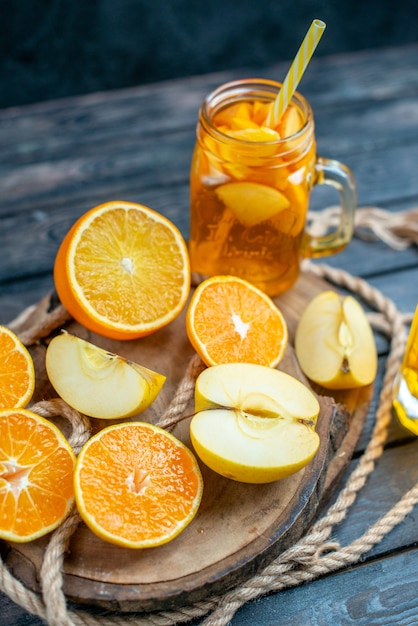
(314, 554)
(398, 230)
(183, 394)
(80, 424)
(38, 322)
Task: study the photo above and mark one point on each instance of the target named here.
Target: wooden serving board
(238, 529)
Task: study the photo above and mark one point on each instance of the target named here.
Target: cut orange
(136, 485)
(231, 321)
(36, 475)
(123, 270)
(17, 373)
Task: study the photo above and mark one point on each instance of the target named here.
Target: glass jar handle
(337, 175)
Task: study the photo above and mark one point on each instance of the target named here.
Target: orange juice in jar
(250, 187)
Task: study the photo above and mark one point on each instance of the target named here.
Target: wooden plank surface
(58, 159)
(256, 522)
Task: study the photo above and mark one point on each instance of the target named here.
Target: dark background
(57, 48)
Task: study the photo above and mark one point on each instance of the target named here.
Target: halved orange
(231, 321)
(123, 270)
(136, 485)
(17, 373)
(36, 475)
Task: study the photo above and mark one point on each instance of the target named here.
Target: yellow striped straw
(295, 73)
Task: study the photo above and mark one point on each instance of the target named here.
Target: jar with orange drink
(250, 184)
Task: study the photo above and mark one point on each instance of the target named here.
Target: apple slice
(334, 342)
(252, 203)
(99, 383)
(256, 134)
(253, 424)
(290, 123)
(243, 123)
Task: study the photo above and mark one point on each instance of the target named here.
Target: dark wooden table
(60, 158)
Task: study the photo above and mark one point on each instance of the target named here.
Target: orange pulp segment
(229, 321)
(136, 485)
(36, 475)
(123, 270)
(17, 373)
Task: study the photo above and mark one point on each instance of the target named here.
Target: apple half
(334, 342)
(99, 383)
(253, 424)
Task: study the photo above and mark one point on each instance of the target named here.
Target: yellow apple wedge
(334, 342)
(253, 423)
(99, 383)
(291, 122)
(252, 203)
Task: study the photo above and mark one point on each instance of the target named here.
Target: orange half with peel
(123, 270)
(229, 320)
(136, 485)
(36, 476)
(17, 372)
